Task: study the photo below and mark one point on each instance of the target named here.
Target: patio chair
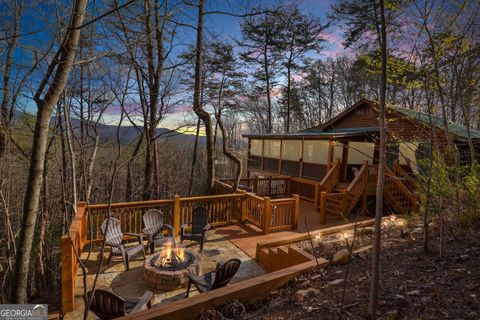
(108, 305)
(114, 238)
(154, 226)
(199, 227)
(218, 278)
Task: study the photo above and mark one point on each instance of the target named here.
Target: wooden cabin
(345, 149)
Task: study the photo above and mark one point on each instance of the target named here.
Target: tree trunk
(289, 95)
(236, 160)
(197, 103)
(66, 56)
(372, 307)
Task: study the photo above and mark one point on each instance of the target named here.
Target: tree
(362, 16)
(197, 101)
(221, 88)
(263, 52)
(298, 35)
(51, 87)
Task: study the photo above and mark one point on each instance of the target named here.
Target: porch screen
(407, 151)
(291, 150)
(315, 151)
(271, 148)
(256, 147)
(338, 151)
(360, 151)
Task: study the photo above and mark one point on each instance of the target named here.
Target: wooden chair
(218, 278)
(154, 226)
(108, 305)
(199, 227)
(114, 237)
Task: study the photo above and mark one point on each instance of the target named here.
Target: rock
(341, 257)
(300, 295)
(414, 293)
(335, 282)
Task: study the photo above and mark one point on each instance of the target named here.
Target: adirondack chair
(218, 278)
(108, 305)
(154, 226)
(199, 227)
(114, 238)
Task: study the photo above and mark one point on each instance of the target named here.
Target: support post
(323, 207)
(243, 207)
(331, 146)
(316, 196)
(267, 215)
(82, 211)
(255, 185)
(176, 214)
(296, 212)
(68, 265)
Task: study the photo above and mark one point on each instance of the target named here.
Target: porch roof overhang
(317, 134)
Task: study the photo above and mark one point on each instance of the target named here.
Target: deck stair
(344, 197)
(276, 258)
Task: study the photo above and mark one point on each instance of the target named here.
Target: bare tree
(51, 87)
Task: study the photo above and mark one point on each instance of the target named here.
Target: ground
(130, 283)
(414, 285)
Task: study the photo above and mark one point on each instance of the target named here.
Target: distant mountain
(127, 134)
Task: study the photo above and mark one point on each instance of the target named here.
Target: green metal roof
(453, 127)
(345, 130)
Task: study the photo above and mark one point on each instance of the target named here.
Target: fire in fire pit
(169, 269)
(173, 257)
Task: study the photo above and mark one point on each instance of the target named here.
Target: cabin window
(291, 150)
(256, 147)
(272, 149)
(407, 151)
(315, 151)
(360, 151)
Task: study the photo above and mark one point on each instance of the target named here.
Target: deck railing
(307, 189)
(332, 177)
(407, 180)
(71, 243)
(334, 204)
(269, 215)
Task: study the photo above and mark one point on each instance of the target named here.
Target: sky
(223, 26)
(228, 28)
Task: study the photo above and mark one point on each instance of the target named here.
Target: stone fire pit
(161, 276)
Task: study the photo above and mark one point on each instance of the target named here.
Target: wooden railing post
(316, 196)
(176, 214)
(243, 207)
(267, 215)
(81, 211)
(296, 211)
(288, 182)
(68, 266)
(323, 207)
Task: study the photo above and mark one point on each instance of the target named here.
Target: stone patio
(130, 283)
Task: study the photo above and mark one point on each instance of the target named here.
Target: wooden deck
(246, 237)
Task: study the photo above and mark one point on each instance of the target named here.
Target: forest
(138, 100)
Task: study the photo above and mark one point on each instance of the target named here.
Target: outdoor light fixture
(319, 239)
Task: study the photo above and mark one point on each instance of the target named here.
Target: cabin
(342, 155)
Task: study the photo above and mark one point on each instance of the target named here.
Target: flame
(172, 254)
(179, 253)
